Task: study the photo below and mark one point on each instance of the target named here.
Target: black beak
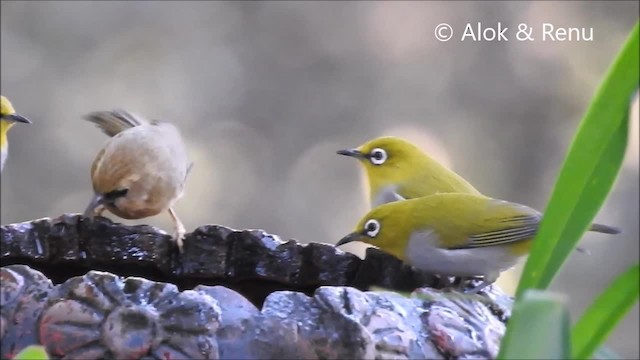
(352, 152)
(354, 236)
(95, 202)
(17, 118)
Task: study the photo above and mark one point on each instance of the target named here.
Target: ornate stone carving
(101, 316)
(253, 296)
(23, 294)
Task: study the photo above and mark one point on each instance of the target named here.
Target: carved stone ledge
(71, 245)
(274, 299)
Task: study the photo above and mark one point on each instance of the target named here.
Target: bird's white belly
(423, 254)
(3, 157)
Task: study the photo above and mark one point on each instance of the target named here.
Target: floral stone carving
(101, 316)
(23, 293)
(245, 294)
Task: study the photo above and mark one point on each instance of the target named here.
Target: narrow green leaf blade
(589, 169)
(593, 195)
(538, 328)
(605, 312)
(32, 352)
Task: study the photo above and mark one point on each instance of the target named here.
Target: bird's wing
(509, 230)
(114, 122)
(402, 193)
(96, 162)
(465, 221)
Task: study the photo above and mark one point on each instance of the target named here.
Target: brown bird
(141, 170)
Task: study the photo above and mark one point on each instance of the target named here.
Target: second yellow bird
(452, 234)
(141, 170)
(397, 170)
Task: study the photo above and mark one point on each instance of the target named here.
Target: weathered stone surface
(237, 323)
(314, 327)
(257, 254)
(99, 315)
(343, 322)
(102, 316)
(212, 255)
(318, 257)
(87, 244)
(317, 300)
(461, 324)
(26, 240)
(23, 294)
(205, 253)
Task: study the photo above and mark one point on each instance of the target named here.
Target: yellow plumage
(396, 169)
(435, 219)
(451, 234)
(8, 117)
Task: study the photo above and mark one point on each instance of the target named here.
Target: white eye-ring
(378, 156)
(372, 228)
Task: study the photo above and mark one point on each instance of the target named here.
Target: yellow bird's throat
(4, 129)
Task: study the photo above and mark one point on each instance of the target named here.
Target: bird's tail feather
(114, 122)
(605, 229)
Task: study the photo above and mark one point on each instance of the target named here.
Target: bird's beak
(352, 152)
(17, 118)
(354, 236)
(95, 202)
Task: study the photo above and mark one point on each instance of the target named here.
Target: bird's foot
(476, 289)
(462, 281)
(178, 237)
(450, 284)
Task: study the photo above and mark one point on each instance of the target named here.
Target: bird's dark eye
(378, 156)
(372, 228)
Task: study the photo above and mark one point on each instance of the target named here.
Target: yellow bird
(141, 170)
(397, 170)
(452, 234)
(8, 118)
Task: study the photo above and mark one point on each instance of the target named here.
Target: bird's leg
(488, 280)
(446, 283)
(462, 282)
(180, 231)
(476, 289)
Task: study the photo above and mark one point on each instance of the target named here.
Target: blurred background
(266, 92)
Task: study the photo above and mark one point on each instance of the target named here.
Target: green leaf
(32, 352)
(605, 312)
(589, 170)
(538, 328)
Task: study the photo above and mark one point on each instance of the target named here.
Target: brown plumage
(141, 170)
